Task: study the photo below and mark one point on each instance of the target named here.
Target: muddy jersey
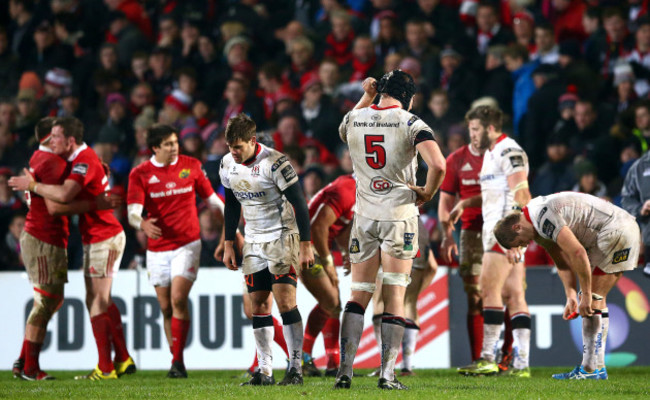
(47, 168)
(340, 197)
(258, 185)
(168, 193)
(589, 218)
(382, 146)
(462, 178)
(505, 159)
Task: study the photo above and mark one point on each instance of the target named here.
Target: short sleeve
(282, 173)
(203, 186)
(223, 174)
(550, 223)
(343, 128)
(136, 193)
(450, 182)
(80, 171)
(414, 126)
(513, 160)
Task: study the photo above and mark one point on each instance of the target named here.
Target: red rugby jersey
(463, 168)
(169, 194)
(87, 170)
(50, 169)
(340, 196)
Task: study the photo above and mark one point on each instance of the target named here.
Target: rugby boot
(505, 362)
(38, 376)
(518, 373)
(97, 375)
(602, 374)
(406, 372)
(310, 369)
(126, 367)
(17, 368)
(259, 379)
(385, 384)
(344, 382)
(177, 370)
(578, 373)
(374, 373)
(293, 377)
(480, 367)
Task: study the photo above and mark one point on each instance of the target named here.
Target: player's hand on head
(150, 229)
(370, 86)
(421, 195)
(229, 258)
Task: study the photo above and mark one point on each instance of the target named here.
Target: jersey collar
(501, 138)
(160, 165)
(376, 107)
(251, 160)
(45, 149)
(526, 214)
(81, 148)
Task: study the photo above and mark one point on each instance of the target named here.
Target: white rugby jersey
(587, 216)
(505, 159)
(382, 147)
(258, 186)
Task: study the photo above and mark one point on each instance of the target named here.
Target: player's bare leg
(284, 293)
(163, 293)
(420, 280)
(514, 295)
(178, 294)
(47, 300)
(321, 287)
(363, 287)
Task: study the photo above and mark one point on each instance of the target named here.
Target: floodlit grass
(624, 383)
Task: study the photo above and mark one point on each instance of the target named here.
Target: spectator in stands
(546, 49)
(417, 45)
(47, 54)
(364, 61)
(10, 258)
(338, 43)
(456, 77)
(303, 64)
(236, 101)
(28, 114)
(443, 25)
(134, 12)
(610, 45)
(319, 116)
(639, 57)
(127, 37)
(23, 25)
(641, 130)
(497, 82)
(625, 94)
(556, 174)
(636, 201)
(389, 37)
(438, 115)
(10, 204)
(13, 153)
(588, 181)
(9, 67)
(523, 24)
(489, 31)
(210, 235)
(313, 180)
(160, 63)
(516, 61)
(566, 16)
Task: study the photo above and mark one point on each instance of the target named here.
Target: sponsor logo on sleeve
(548, 228)
(412, 120)
(621, 256)
(288, 173)
(408, 241)
(185, 172)
(380, 185)
(80, 169)
(541, 214)
(354, 246)
(279, 162)
(517, 161)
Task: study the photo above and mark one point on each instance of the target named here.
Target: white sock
(521, 345)
(604, 328)
(293, 335)
(263, 332)
(351, 331)
(591, 327)
(409, 342)
(376, 327)
(490, 338)
(392, 332)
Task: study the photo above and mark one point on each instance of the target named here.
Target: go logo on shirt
(185, 172)
(379, 185)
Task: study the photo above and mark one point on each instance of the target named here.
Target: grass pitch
(624, 383)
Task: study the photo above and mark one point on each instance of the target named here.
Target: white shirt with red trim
(503, 160)
(382, 147)
(258, 185)
(588, 217)
(168, 193)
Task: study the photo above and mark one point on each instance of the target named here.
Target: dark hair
(546, 26)
(240, 127)
(43, 127)
(610, 12)
(593, 12)
(503, 231)
(272, 70)
(187, 71)
(398, 85)
(490, 4)
(28, 5)
(158, 133)
(516, 51)
(439, 92)
(487, 116)
(72, 127)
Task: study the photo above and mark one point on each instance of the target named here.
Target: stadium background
(121, 65)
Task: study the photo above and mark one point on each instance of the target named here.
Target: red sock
(315, 322)
(475, 331)
(22, 350)
(180, 327)
(331, 339)
(102, 330)
(117, 332)
(278, 336)
(253, 367)
(507, 334)
(32, 350)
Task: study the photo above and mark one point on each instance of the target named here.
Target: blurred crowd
(573, 76)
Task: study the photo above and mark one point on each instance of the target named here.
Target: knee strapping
(45, 305)
(396, 278)
(363, 287)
